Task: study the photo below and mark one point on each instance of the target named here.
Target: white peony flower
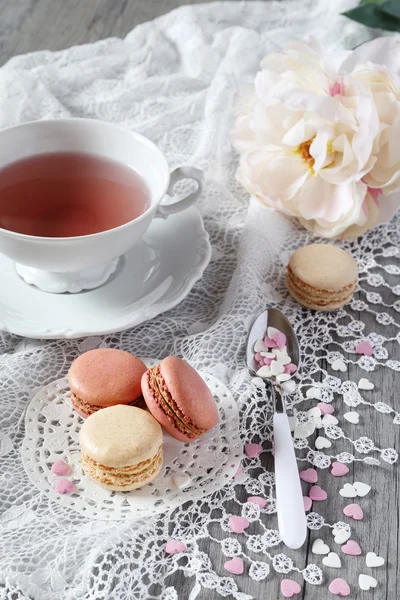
(319, 135)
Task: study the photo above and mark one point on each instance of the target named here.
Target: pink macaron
(104, 377)
(179, 399)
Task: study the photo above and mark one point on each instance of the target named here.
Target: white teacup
(72, 264)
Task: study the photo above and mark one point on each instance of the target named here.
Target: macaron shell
(189, 392)
(324, 267)
(106, 376)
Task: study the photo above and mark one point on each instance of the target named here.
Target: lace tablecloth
(173, 80)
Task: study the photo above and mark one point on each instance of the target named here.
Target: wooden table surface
(28, 25)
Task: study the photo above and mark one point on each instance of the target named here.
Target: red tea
(69, 194)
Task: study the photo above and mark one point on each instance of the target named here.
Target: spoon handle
(289, 496)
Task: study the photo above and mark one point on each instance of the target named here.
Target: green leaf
(392, 8)
(372, 16)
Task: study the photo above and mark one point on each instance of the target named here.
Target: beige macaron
(322, 276)
(122, 447)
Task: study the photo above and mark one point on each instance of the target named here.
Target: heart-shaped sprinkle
(289, 387)
(259, 346)
(362, 489)
(326, 409)
(280, 339)
(277, 368)
(318, 494)
(307, 503)
(174, 547)
(235, 566)
(314, 412)
(238, 524)
(366, 582)
(352, 548)
(352, 417)
(253, 450)
(354, 511)
(309, 475)
(319, 547)
(339, 365)
(339, 469)
(329, 420)
(313, 393)
(332, 560)
(304, 430)
(372, 560)
(269, 342)
(365, 384)
(290, 369)
(339, 587)
(264, 371)
(290, 588)
(322, 442)
(181, 481)
(64, 486)
(365, 348)
(348, 491)
(60, 468)
(261, 502)
(283, 377)
(342, 536)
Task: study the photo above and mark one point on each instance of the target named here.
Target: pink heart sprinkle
(290, 369)
(238, 524)
(257, 500)
(267, 361)
(339, 587)
(339, 469)
(239, 470)
(364, 348)
(289, 588)
(235, 566)
(258, 357)
(64, 486)
(326, 409)
(317, 493)
(354, 511)
(352, 548)
(253, 450)
(309, 475)
(60, 468)
(174, 547)
(307, 503)
(280, 339)
(270, 343)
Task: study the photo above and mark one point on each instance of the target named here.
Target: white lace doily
(52, 431)
(174, 79)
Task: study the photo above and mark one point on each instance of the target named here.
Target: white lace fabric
(173, 80)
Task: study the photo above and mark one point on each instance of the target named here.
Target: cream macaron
(122, 447)
(322, 276)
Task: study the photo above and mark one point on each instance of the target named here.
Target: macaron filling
(89, 409)
(164, 400)
(122, 476)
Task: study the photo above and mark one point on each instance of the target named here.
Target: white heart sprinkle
(339, 365)
(264, 371)
(282, 356)
(352, 417)
(283, 377)
(276, 368)
(304, 430)
(289, 386)
(313, 393)
(348, 491)
(292, 423)
(366, 582)
(259, 346)
(319, 547)
(362, 489)
(314, 412)
(329, 420)
(341, 536)
(267, 354)
(271, 331)
(332, 560)
(318, 423)
(322, 442)
(365, 384)
(373, 560)
(181, 481)
(257, 381)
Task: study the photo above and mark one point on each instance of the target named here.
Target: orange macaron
(104, 377)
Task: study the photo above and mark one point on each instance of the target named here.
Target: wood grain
(28, 25)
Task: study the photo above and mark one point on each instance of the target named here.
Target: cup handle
(164, 210)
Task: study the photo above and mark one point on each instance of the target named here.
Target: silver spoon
(289, 496)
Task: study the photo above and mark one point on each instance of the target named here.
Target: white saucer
(153, 277)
